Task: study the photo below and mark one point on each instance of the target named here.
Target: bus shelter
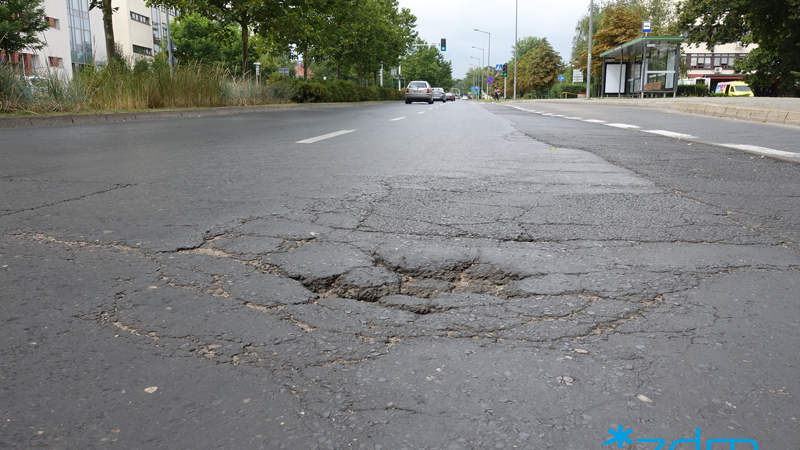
(647, 66)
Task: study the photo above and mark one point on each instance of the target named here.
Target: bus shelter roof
(638, 46)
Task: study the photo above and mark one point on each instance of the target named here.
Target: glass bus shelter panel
(661, 71)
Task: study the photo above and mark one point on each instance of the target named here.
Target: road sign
(394, 72)
(577, 76)
(489, 79)
(498, 67)
(561, 78)
(647, 26)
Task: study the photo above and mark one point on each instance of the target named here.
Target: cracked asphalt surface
(211, 283)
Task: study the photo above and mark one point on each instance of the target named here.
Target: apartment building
(709, 67)
(76, 36)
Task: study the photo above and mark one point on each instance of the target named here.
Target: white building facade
(709, 68)
(76, 36)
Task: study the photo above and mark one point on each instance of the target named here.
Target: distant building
(76, 36)
(300, 69)
(709, 67)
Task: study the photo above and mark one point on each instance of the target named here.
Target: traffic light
(444, 44)
(505, 70)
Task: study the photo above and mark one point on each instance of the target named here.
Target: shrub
(693, 90)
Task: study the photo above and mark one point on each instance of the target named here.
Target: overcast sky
(455, 20)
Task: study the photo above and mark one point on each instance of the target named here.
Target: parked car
(734, 89)
(419, 91)
(438, 94)
(450, 97)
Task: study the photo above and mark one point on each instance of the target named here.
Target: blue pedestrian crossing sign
(498, 67)
(489, 79)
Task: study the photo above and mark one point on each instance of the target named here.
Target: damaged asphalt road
(212, 283)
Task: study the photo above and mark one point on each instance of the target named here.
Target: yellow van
(734, 89)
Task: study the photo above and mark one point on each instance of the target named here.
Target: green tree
(621, 23)
(427, 63)
(108, 26)
(200, 39)
(196, 38)
(20, 22)
(773, 25)
(540, 68)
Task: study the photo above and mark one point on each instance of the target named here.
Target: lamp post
(516, 45)
(473, 73)
(488, 53)
(589, 52)
(483, 67)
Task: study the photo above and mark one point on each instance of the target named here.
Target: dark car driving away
(419, 91)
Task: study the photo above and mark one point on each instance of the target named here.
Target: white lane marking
(671, 134)
(324, 136)
(763, 150)
(558, 115)
(547, 114)
(397, 118)
(573, 118)
(595, 121)
(621, 125)
(421, 112)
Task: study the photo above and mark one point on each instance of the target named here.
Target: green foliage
(773, 25)
(572, 90)
(341, 91)
(620, 23)
(539, 69)
(427, 63)
(693, 90)
(199, 39)
(20, 23)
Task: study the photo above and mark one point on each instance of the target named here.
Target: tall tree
(774, 25)
(246, 14)
(621, 23)
(108, 25)
(539, 68)
(427, 63)
(20, 23)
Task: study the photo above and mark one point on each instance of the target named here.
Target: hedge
(693, 90)
(313, 91)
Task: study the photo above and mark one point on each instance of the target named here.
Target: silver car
(419, 91)
(438, 94)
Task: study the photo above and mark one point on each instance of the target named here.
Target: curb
(707, 109)
(70, 119)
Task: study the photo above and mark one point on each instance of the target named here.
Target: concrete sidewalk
(779, 110)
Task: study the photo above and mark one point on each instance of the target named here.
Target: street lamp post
(488, 54)
(589, 52)
(483, 67)
(516, 45)
(475, 66)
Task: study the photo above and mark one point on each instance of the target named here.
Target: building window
(80, 34)
(140, 18)
(55, 61)
(54, 23)
(142, 50)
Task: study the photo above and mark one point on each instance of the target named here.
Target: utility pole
(516, 47)
(589, 64)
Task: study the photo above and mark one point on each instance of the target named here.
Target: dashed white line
(324, 136)
(573, 118)
(421, 112)
(621, 125)
(595, 121)
(671, 134)
(397, 118)
(764, 151)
